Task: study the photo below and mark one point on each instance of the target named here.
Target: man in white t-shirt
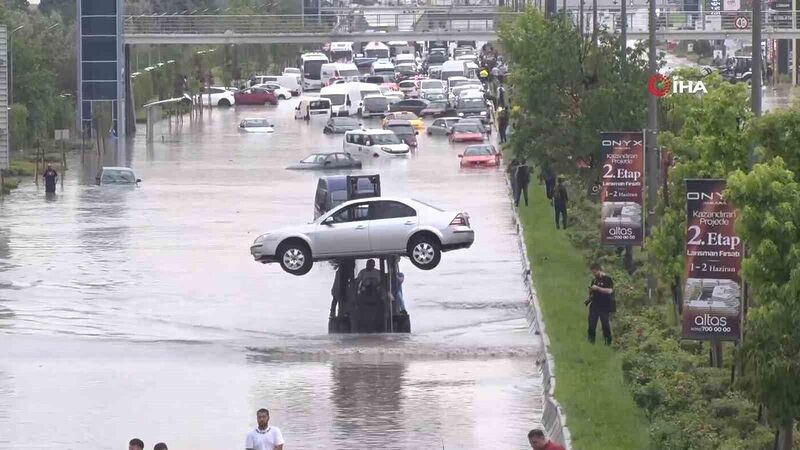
(264, 437)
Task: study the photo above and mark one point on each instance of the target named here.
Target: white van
(405, 58)
(454, 69)
(383, 68)
(288, 82)
(374, 106)
(376, 50)
(312, 106)
(346, 98)
(374, 142)
(338, 71)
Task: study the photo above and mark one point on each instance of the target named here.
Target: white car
(256, 125)
(281, 92)
(219, 97)
(117, 176)
(294, 71)
(368, 227)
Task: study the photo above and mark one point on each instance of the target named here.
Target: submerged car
(256, 125)
(117, 176)
(410, 105)
(467, 132)
(480, 156)
(340, 124)
(442, 126)
(365, 228)
(255, 96)
(404, 130)
(325, 161)
(416, 122)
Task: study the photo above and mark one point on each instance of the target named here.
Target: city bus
(311, 65)
(377, 50)
(341, 51)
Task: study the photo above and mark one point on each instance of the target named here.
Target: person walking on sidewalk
(601, 303)
(560, 199)
(522, 176)
(548, 175)
(502, 123)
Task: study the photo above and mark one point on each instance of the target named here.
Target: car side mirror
(138, 180)
(328, 221)
(460, 155)
(416, 133)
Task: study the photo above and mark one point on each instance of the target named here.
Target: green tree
(769, 224)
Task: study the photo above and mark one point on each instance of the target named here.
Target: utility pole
(594, 22)
(755, 80)
(624, 33)
(651, 152)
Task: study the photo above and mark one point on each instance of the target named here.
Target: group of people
(138, 444)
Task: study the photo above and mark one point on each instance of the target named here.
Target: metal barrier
(553, 418)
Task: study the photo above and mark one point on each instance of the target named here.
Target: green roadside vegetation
(566, 89)
(600, 409)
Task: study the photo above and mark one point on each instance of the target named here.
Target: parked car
(436, 108)
(255, 96)
(484, 155)
(368, 227)
(404, 130)
(476, 120)
(404, 115)
(325, 161)
(340, 124)
(312, 106)
(467, 132)
(374, 142)
(411, 105)
(117, 176)
(256, 125)
(219, 96)
(472, 107)
(293, 71)
(409, 88)
(442, 126)
(280, 92)
(427, 87)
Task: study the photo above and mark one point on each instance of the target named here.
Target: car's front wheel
(295, 257)
(224, 102)
(425, 251)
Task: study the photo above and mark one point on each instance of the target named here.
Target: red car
(467, 132)
(255, 96)
(392, 86)
(480, 156)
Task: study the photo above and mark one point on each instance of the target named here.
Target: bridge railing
(688, 21)
(325, 24)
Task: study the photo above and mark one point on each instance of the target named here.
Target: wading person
(523, 178)
(264, 437)
(538, 441)
(136, 444)
(50, 176)
(560, 199)
(600, 303)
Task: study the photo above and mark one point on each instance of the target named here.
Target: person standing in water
(50, 176)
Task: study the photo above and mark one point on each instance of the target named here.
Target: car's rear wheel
(224, 102)
(294, 257)
(425, 251)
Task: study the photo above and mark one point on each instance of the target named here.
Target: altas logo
(662, 85)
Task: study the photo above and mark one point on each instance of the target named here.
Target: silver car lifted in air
(368, 227)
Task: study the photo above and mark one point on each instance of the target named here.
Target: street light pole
(755, 79)
(651, 143)
(11, 64)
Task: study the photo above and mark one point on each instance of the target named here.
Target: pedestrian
(398, 292)
(538, 441)
(50, 176)
(264, 437)
(512, 171)
(601, 303)
(560, 199)
(370, 277)
(136, 444)
(501, 95)
(160, 446)
(502, 123)
(548, 175)
(523, 178)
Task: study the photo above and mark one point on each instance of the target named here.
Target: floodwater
(139, 312)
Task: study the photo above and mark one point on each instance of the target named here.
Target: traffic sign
(742, 23)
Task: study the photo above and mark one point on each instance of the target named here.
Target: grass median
(601, 413)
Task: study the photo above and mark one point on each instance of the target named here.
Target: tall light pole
(755, 79)
(11, 64)
(651, 143)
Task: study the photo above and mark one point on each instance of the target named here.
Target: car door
(391, 224)
(347, 234)
(330, 162)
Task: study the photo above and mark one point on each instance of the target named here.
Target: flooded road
(139, 311)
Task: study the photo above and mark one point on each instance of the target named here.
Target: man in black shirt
(560, 199)
(50, 175)
(522, 176)
(600, 303)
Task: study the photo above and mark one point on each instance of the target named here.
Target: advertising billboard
(712, 297)
(622, 187)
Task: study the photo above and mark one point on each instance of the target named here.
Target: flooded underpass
(139, 312)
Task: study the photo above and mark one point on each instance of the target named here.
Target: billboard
(712, 296)
(622, 188)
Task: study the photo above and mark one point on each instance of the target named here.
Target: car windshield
(385, 139)
(438, 104)
(471, 103)
(478, 151)
(466, 128)
(114, 176)
(454, 83)
(407, 84)
(376, 102)
(431, 84)
(345, 122)
(316, 104)
(315, 158)
(336, 99)
(349, 73)
(401, 129)
(405, 68)
(256, 123)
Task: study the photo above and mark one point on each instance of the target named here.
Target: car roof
(398, 122)
(406, 200)
(116, 168)
(369, 131)
(374, 96)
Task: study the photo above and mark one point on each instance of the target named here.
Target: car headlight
(460, 114)
(260, 240)
(483, 113)
(386, 149)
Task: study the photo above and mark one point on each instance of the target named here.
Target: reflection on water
(101, 288)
